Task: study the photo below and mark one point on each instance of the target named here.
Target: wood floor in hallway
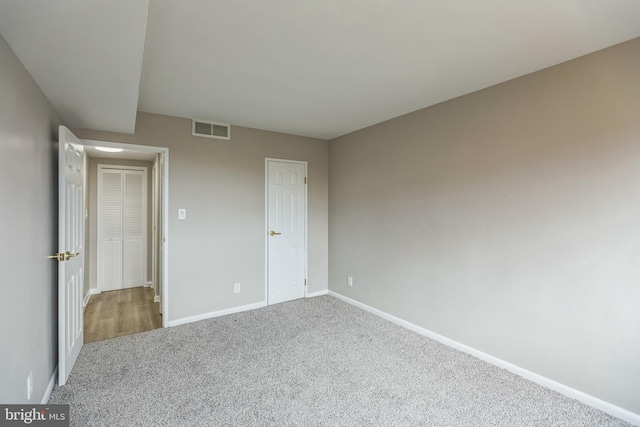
(123, 312)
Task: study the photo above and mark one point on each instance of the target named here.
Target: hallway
(122, 312)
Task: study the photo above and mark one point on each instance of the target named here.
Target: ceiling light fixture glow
(109, 149)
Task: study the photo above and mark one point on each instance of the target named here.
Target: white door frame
(266, 223)
(154, 227)
(145, 189)
(164, 151)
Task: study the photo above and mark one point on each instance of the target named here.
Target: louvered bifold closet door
(134, 224)
(111, 231)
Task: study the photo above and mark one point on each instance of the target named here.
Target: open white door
(70, 252)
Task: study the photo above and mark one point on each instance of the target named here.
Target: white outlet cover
(236, 288)
(182, 214)
(350, 280)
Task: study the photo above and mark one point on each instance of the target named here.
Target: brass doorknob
(273, 233)
(63, 256)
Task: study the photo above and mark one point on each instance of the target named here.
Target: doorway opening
(126, 287)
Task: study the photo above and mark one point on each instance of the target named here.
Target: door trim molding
(99, 265)
(154, 227)
(266, 223)
(164, 152)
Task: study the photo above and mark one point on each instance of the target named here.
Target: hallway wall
(222, 185)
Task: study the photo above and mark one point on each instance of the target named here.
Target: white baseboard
(156, 298)
(149, 284)
(570, 392)
(317, 294)
(85, 301)
(94, 291)
(217, 313)
(47, 392)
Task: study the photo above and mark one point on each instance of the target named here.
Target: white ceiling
(314, 68)
(86, 56)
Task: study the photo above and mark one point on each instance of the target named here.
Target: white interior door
(110, 240)
(286, 229)
(70, 252)
(122, 228)
(134, 231)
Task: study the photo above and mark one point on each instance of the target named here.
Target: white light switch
(182, 214)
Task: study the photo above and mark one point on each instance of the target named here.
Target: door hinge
(305, 179)
(305, 282)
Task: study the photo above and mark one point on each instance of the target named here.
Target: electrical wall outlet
(349, 281)
(236, 288)
(29, 386)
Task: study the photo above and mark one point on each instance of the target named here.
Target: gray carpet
(315, 362)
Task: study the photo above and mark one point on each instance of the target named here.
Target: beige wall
(507, 220)
(91, 234)
(28, 232)
(222, 185)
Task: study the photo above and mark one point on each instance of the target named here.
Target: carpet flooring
(314, 362)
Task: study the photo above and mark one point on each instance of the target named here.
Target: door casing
(154, 228)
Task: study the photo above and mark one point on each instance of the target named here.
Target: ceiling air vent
(211, 129)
